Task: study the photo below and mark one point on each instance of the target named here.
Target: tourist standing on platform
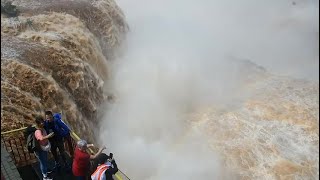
(107, 167)
(54, 124)
(42, 153)
(81, 160)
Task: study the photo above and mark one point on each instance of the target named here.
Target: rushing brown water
(274, 135)
(54, 55)
(182, 109)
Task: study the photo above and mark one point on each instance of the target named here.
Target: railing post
(24, 153)
(14, 157)
(4, 142)
(17, 149)
(68, 139)
(70, 145)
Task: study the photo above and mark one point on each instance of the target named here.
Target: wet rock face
(54, 55)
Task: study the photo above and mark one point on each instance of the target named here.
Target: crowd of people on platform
(51, 134)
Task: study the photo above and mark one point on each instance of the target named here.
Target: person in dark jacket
(54, 124)
(108, 165)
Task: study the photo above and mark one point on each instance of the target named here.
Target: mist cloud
(177, 58)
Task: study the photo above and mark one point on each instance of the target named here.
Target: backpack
(32, 143)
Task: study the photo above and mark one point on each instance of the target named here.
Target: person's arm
(99, 152)
(49, 135)
(114, 169)
(62, 125)
(90, 145)
(40, 137)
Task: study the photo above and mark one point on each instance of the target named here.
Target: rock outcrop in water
(54, 55)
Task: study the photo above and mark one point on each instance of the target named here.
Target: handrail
(15, 130)
(75, 137)
(73, 134)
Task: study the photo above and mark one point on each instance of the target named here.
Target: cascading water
(54, 56)
(202, 89)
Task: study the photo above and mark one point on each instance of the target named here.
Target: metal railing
(15, 144)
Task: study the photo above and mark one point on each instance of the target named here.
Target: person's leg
(62, 152)
(37, 154)
(80, 178)
(43, 158)
(54, 151)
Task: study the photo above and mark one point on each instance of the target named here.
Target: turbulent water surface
(214, 90)
(54, 56)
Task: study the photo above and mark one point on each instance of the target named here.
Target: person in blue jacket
(53, 123)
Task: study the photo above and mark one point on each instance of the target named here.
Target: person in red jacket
(81, 160)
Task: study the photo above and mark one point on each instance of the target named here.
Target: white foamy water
(188, 107)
